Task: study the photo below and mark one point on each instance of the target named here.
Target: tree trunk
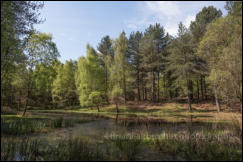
(26, 102)
(217, 101)
(106, 85)
(189, 102)
(98, 108)
(153, 87)
(201, 83)
(124, 84)
(117, 111)
(19, 104)
(158, 89)
(197, 92)
(25, 107)
(142, 87)
(28, 89)
(116, 118)
(164, 86)
(170, 92)
(189, 96)
(145, 93)
(191, 89)
(138, 81)
(205, 89)
(176, 93)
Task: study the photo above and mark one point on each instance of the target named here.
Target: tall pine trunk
(146, 97)
(164, 86)
(217, 101)
(153, 87)
(158, 89)
(197, 92)
(201, 83)
(205, 88)
(189, 96)
(142, 87)
(117, 111)
(124, 84)
(106, 85)
(191, 89)
(138, 81)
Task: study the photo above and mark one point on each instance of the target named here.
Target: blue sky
(74, 24)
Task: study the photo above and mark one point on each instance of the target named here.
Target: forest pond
(124, 137)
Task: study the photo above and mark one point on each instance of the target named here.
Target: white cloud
(163, 8)
(135, 24)
(188, 20)
(165, 13)
(131, 25)
(171, 28)
(168, 14)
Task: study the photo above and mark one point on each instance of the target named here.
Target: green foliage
(120, 65)
(203, 60)
(40, 48)
(203, 19)
(153, 51)
(116, 94)
(44, 76)
(89, 76)
(64, 88)
(106, 54)
(222, 50)
(181, 60)
(17, 18)
(95, 98)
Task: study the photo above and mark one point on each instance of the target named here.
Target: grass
(63, 150)
(17, 125)
(127, 146)
(201, 145)
(169, 112)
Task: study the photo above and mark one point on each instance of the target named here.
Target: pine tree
(152, 51)
(107, 55)
(198, 29)
(134, 43)
(181, 60)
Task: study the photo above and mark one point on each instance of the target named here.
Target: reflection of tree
(190, 119)
(116, 117)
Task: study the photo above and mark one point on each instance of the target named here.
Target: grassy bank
(169, 112)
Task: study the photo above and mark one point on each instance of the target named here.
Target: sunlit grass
(170, 112)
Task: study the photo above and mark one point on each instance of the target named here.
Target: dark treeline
(203, 62)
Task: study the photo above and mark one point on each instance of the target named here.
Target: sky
(73, 24)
